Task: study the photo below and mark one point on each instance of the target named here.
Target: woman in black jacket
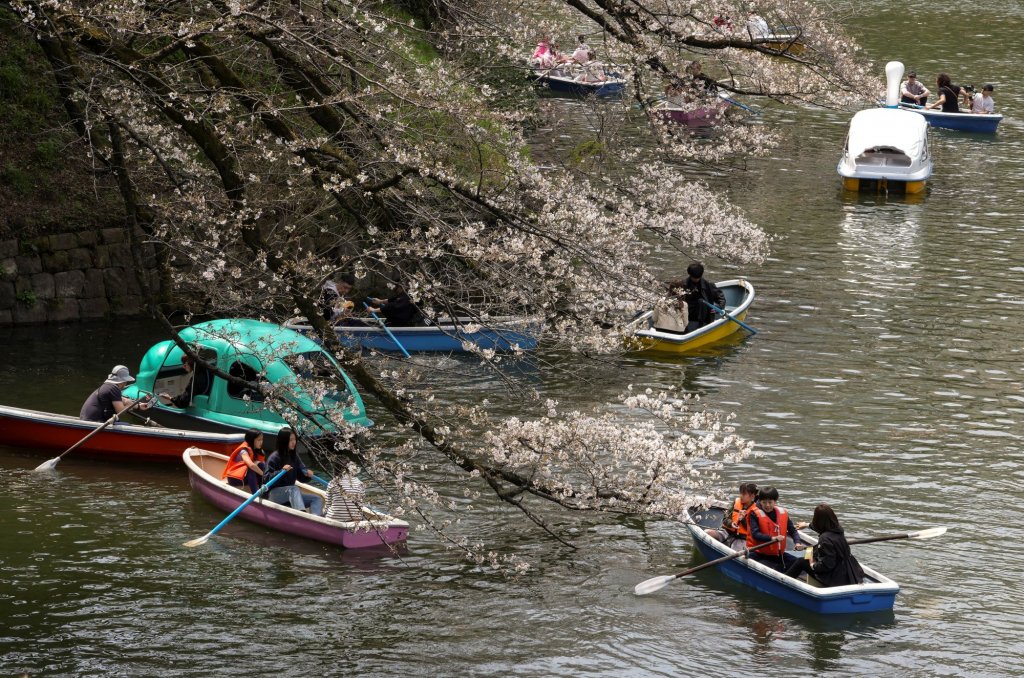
(831, 562)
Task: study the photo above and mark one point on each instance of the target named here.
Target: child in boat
(246, 465)
(345, 495)
(734, 522)
(831, 562)
(769, 522)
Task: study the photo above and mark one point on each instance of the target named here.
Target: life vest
(236, 468)
(769, 528)
(741, 525)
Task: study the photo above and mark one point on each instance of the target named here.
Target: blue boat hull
(445, 338)
(961, 122)
(876, 595)
(581, 89)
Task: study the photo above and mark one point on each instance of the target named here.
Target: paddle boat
(581, 80)
(31, 429)
(447, 335)
(255, 351)
(739, 294)
(374, 529)
(783, 40)
(876, 593)
(961, 122)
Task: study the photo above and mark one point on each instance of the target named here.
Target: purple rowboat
(204, 470)
(695, 117)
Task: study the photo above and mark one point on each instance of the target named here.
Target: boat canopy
(889, 131)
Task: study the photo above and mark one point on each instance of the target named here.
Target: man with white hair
(106, 401)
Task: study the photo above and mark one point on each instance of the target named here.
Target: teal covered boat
(257, 352)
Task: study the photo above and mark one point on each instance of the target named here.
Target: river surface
(886, 379)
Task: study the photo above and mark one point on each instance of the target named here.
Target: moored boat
(447, 335)
(376, 529)
(783, 40)
(887, 147)
(961, 122)
(32, 429)
(596, 79)
(876, 593)
(739, 294)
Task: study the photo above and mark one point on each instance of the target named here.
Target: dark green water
(886, 380)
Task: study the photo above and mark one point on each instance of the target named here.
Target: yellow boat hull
(739, 295)
(881, 185)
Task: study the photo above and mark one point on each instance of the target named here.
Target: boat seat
(883, 158)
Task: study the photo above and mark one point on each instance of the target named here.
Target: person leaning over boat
(734, 523)
(334, 302)
(949, 95)
(767, 522)
(284, 491)
(913, 92)
(398, 309)
(345, 497)
(693, 290)
(831, 562)
(983, 102)
(198, 384)
(106, 401)
(246, 464)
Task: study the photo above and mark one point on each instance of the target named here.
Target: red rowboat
(31, 429)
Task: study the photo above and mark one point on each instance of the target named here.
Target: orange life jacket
(236, 467)
(770, 528)
(741, 525)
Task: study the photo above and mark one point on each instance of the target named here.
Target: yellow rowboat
(739, 294)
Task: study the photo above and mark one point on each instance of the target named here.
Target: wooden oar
(206, 537)
(920, 534)
(739, 322)
(51, 464)
(380, 322)
(657, 583)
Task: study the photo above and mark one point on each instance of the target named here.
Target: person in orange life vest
(767, 521)
(245, 465)
(831, 561)
(734, 523)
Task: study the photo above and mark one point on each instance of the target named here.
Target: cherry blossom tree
(266, 145)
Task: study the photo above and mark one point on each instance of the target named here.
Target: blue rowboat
(962, 122)
(876, 593)
(447, 335)
(566, 79)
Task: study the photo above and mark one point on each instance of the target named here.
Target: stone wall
(70, 276)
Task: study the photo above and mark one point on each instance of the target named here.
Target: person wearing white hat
(106, 401)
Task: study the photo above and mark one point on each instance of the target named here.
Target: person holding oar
(769, 523)
(694, 289)
(106, 401)
(830, 560)
(246, 464)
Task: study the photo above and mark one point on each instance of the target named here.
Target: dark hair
(348, 278)
(768, 493)
(250, 437)
(188, 360)
(748, 488)
(696, 269)
(912, 74)
(944, 80)
(989, 88)
(824, 519)
(284, 437)
(969, 88)
(581, 38)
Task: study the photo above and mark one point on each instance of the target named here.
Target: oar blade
(653, 584)
(47, 466)
(192, 543)
(928, 534)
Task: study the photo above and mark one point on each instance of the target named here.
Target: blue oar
(202, 540)
(736, 103)
(735, 320)
(385, 327)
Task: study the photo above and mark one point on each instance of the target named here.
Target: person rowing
(107, 400)
(769, 522)
(734, 522)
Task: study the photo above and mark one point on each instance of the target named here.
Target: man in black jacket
(695, 290)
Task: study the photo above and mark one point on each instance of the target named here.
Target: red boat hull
(31, 429)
